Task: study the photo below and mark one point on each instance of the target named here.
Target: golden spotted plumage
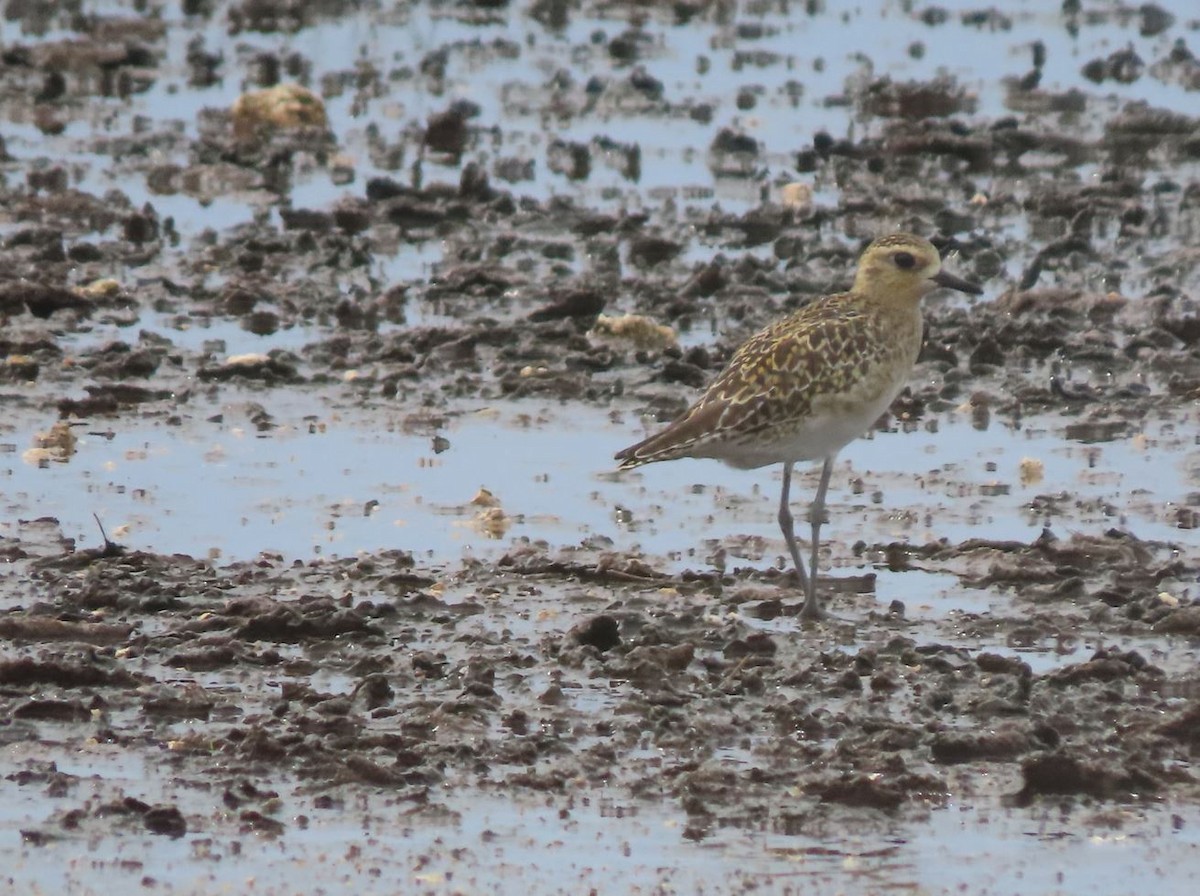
(806, 385)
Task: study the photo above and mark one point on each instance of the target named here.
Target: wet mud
(209, 227)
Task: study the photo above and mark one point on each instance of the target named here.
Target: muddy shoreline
(341, 368)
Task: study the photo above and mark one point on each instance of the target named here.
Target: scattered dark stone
(849, 681)
(276, 368)
(447, 130)
(380, 189)
(39, 300)
(142, 363)
(884, 682)
(254, 821)
(38, 628)
(1154, 20)
(572, 160)
(429, 665)
(373, 692)
(733, 154)
(995, 663)
(1123, 66)
(991, 746)
(628, 46)
(916, 100)
(928, 141)
(862, 791)
(645, 83)
(109, 398)
(27, 671)
(601, 632)
(409, 212)
(288, 624)
(52, 711)
(648, 251)
(1062, 774)
(306, 219)
(261, 323)
(171, 707)
(767, 609)
(1184, 726)
(626, 158)
(1181, 621)
(1091, 432)
(576, 303)
(141, 228)
(1102, 667)
(987, 352)
(204, 659)
(166, 820)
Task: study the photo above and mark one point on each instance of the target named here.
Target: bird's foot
(812, 611)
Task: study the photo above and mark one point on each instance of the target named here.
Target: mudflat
(333, 316)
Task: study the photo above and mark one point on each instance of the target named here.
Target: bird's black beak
(948, 280)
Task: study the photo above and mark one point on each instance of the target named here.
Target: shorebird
(810, 383)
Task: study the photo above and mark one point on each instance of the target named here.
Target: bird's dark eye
(904, 260)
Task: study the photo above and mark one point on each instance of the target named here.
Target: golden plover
(812, 382)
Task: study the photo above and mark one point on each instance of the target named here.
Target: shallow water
(309, 484)
(487, 844)
(794, 62)
(336, 477)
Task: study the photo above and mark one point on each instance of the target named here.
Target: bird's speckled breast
(813, 388)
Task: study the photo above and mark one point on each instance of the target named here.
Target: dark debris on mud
(366, 671)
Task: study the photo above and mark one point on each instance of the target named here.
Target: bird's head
(905, 265)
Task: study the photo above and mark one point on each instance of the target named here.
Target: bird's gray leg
(816, 516)
(787, 524)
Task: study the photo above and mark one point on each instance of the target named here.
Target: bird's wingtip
(628, 458)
